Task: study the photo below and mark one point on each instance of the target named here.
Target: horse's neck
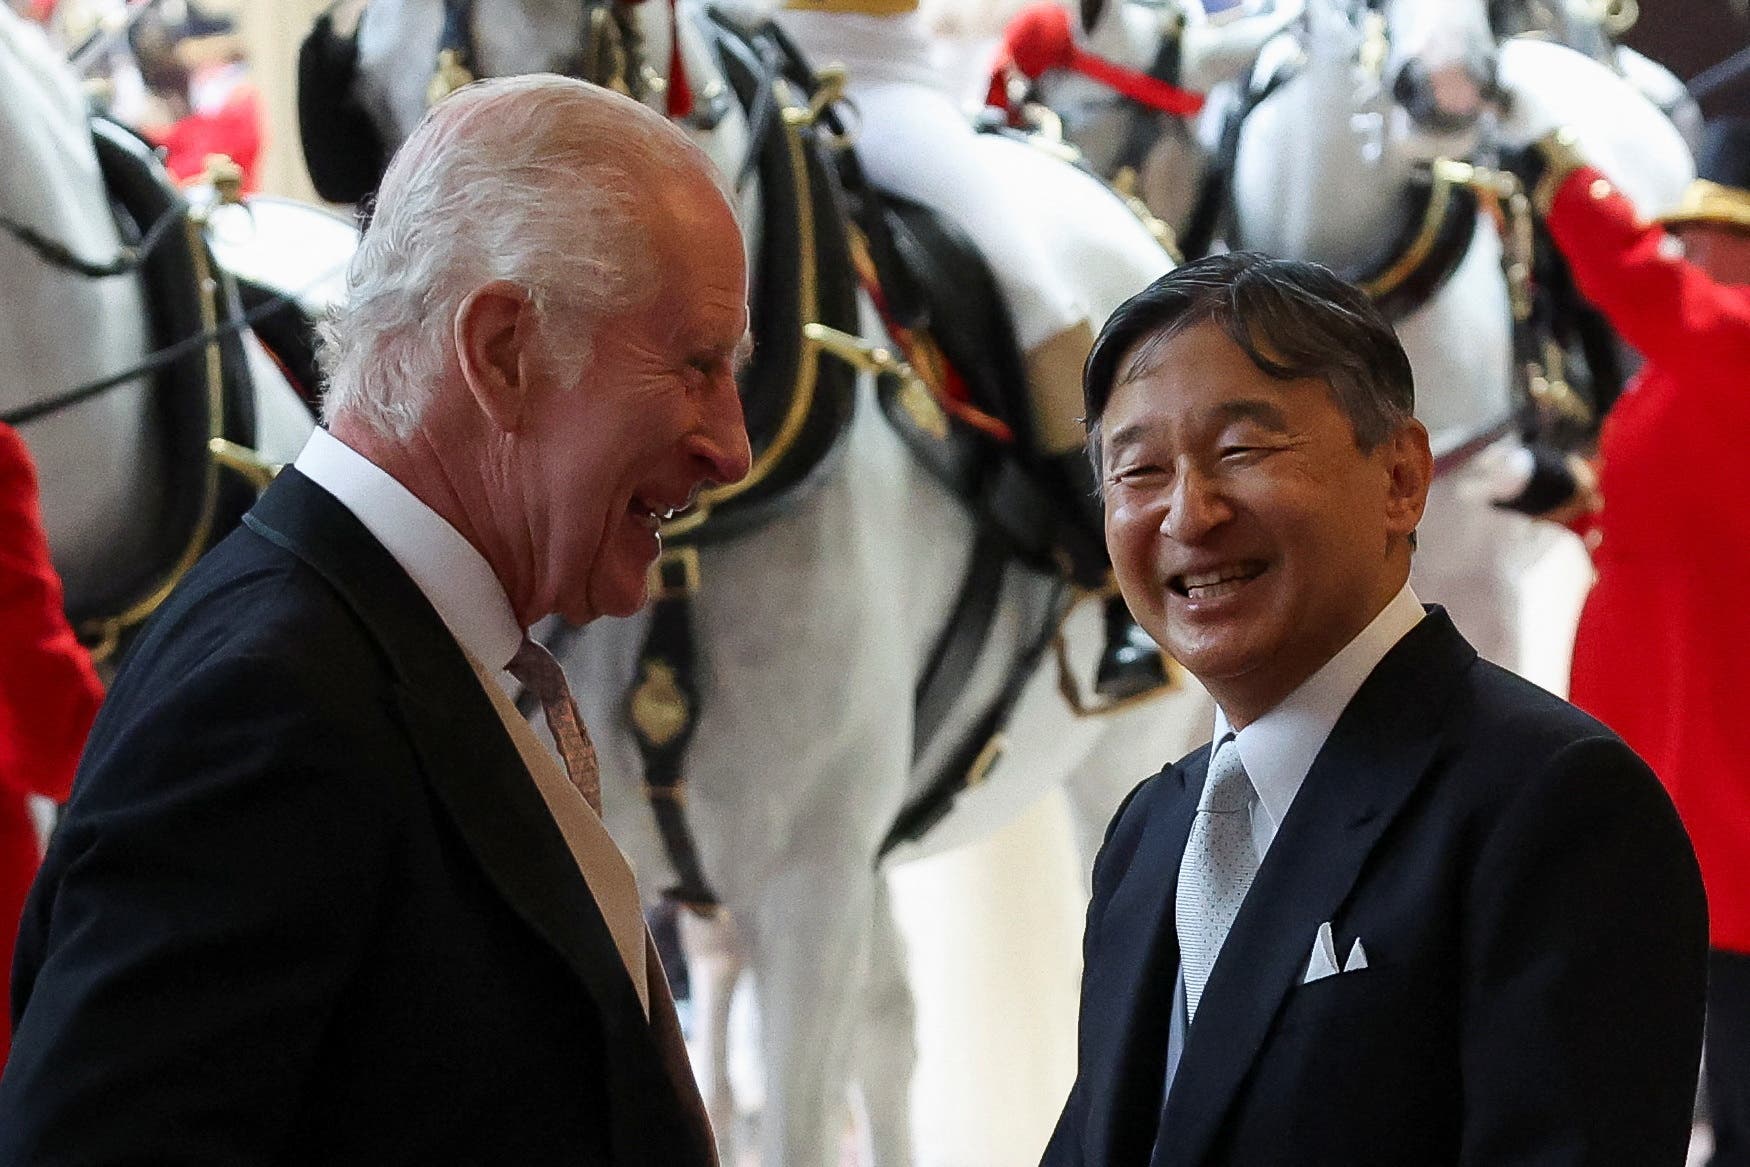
(527, 36)
(1319, 178)
(43, 132)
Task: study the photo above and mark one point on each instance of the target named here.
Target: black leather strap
(667, 674)
(932, 805)
(1451, 243)
(957, 650)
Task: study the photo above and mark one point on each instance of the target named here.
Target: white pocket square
(1323, 962)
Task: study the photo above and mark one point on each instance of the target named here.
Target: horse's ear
(1092, 10)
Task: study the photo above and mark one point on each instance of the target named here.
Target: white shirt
(470, 600)
(1278, 749)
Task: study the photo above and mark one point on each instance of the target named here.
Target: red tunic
(1663, 652)
(48, 690)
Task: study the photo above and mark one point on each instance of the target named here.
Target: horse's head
(1420, 73)
(1440, 60)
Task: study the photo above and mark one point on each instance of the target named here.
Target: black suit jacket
(307, 906)
(1534, 926)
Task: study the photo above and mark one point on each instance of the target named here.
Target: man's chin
(616, 602)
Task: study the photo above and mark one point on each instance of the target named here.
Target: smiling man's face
(1250, 534)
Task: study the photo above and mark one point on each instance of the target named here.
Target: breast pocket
(1380, 1009)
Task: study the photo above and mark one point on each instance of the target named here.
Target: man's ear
(495, 346)
(1410, 465)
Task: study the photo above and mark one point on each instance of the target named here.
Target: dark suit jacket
(1535, 934)
(307, 906)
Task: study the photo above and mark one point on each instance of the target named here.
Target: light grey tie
(1216, 870)
(535, 667)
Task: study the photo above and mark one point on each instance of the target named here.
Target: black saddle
(343, 151)
(934, 285)
(195, 399)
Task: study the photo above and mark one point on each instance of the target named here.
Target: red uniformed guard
(48, 691)
(1663, 652)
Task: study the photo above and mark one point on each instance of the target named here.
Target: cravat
(535, 667)
(1217, 868)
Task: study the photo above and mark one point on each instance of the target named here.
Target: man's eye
(1136, 473)
(1242, 453)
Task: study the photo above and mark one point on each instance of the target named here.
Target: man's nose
(1195, 507)
(722, 441)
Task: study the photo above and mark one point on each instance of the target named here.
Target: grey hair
(535, 179)
(1293, 320)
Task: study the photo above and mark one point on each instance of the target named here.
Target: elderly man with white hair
(320, 895)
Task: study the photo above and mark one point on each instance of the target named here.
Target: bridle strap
(58, 255)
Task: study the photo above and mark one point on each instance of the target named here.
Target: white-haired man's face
(585, 460)
(652, 417)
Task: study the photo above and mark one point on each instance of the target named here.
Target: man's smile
(1215, 582)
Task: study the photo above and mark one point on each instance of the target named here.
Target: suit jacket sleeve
(1673, 312)
(214, 883)
(1583, 985)
(48, 689)
(1065, 1147)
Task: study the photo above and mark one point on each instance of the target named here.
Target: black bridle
(154, 361)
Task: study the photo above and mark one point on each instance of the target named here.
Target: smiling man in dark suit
(320, 895)
(1407, 909)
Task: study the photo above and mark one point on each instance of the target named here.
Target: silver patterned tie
(535, 667)
(1216, 870)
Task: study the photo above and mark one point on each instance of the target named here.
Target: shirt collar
(1278, 749)
(451, 573)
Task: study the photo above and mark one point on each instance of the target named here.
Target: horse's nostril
(1456, 92)
(1446, 99)
(1411, 89)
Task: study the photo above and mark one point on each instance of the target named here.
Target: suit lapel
(1129, 1007)
(1376, 756)
(479, 778)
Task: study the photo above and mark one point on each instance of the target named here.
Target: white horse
(102, 461)
(814, 631)
(1169, 155)
(1323, 168)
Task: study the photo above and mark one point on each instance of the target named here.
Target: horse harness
(204, 391)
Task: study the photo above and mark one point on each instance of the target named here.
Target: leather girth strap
(981, 747)
(663, 712)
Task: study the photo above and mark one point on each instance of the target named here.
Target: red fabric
(680, 88)
(1663, 652)
(48, 690)
(1038, 40)
(233, 129)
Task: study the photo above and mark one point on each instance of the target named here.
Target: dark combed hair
(1293, 320)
